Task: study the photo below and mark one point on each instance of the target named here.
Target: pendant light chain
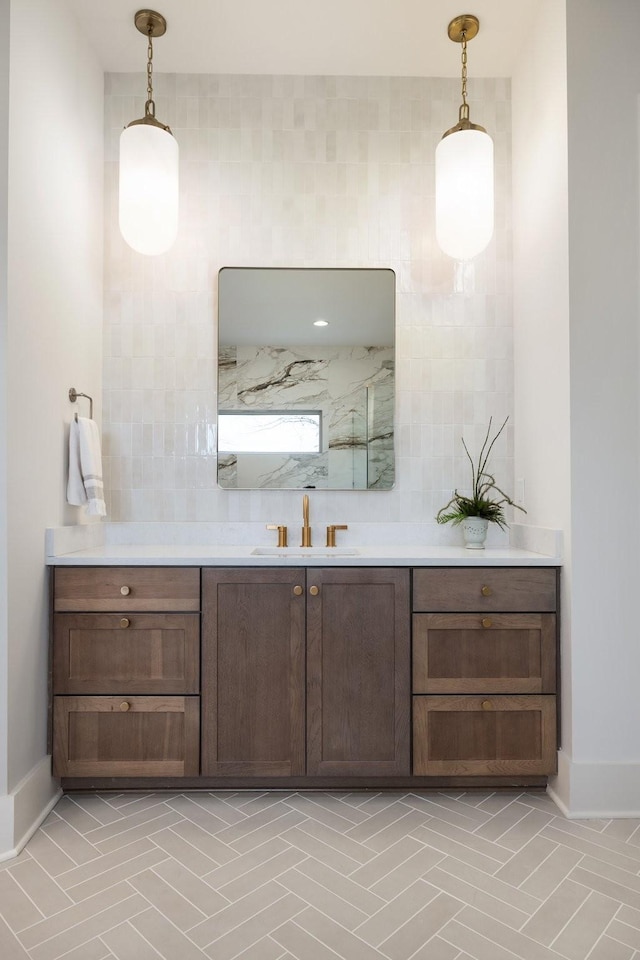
(150, 107)
(464, 107)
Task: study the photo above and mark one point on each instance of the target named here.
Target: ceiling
(329, 37)
(358, 305)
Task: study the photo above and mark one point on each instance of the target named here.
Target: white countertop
(216, 555)
(250, 544)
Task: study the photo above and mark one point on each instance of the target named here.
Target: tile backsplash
(316, 172)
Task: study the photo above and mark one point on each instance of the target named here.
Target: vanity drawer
(484, 736)
(140, 653)
(126, 588)
(504, 589)
(126, 736)
(480, 653)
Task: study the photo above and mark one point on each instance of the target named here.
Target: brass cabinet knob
(486, 622)
(125, 622)
(124, 706)
(125, 591)
(486, 591)
(487, 705)
(298, 590)
(314, 591)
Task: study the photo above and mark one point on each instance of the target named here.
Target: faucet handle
(331, 532)
(282, 533)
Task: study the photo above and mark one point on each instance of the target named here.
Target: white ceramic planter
(475, 532)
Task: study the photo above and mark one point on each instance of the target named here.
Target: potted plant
(485, 504)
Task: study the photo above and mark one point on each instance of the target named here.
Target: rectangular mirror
(306, 383)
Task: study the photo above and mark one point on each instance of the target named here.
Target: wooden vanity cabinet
(304, 676)
(351, 626)
(484, 682)
(126, 681)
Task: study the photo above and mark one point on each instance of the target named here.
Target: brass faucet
(331, 532)
(282, 533)
(306, 529)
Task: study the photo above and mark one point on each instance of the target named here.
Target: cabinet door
(358, 691)
(484, 653)
(253, 672)
(500, 736)
(140, 653)
(125, 737)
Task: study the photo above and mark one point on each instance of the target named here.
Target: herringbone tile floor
(320, 876)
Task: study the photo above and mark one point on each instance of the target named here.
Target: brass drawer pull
(487, 705)
(298, 590)
(314, 591)
(486, 622)
(125, 622)
(125, 591)
(124, 706)
(486, 591)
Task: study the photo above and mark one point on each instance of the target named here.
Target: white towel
(85, 467)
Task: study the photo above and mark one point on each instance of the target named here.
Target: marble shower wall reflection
(352, 387)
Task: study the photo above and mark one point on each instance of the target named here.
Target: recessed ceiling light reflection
(321, 323)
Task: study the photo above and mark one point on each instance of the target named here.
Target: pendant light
(148, 202)
(464, 170)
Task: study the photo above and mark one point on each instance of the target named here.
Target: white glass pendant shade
(464, 193)
(148, 202)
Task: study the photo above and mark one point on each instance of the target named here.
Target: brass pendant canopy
(150, 23)
(464, 27)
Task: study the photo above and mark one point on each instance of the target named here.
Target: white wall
(53, 342)
(603, 91)
(576, 373)
(541, 295)
(541, 275)
(4, 160)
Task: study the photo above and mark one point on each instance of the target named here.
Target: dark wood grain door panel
(126, 737)
(125, 589)
(474, 736)
(253, 672)
(478, 589)
(141, 653)
(484, 653)
(358, 654)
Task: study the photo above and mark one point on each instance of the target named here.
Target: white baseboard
(23, 810)
(596, 791)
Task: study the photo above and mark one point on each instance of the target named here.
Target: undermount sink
(305, 552)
